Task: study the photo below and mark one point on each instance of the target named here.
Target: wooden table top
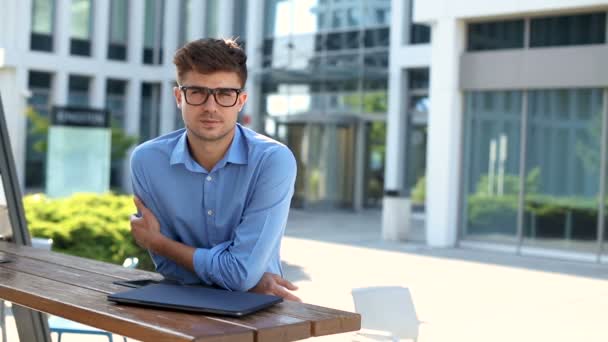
(76, 288)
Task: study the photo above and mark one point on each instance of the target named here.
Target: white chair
(387, 314)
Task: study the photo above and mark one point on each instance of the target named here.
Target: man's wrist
(156, 243)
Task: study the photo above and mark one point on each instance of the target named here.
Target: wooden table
(76, 288)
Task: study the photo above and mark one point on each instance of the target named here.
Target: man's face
(209, 122)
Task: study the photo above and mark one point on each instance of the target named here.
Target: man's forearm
(175, 251)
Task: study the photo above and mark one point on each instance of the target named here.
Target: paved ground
(459, 294)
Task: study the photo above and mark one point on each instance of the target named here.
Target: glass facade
(562, 168)
(326, 60)
(149, 119)
(81, 27)
(116, 103)
(153, 32)
(78, 90)
(119, 28)
(563, 132)
(43, 14)
(581, 29)
(39, 106)
(491, 172)
(211, 18)
(496, 35)
(417, 124)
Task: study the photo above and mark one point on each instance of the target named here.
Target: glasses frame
(210, 91)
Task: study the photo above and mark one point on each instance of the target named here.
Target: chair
(64, 326)
(387, 313)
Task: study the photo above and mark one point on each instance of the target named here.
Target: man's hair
(210, 55)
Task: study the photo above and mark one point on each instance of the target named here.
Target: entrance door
(325, 155)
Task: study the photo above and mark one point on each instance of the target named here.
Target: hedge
(87, 225)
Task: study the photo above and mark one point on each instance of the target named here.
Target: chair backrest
(387, 308)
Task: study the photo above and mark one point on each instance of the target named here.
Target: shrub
(87, 225)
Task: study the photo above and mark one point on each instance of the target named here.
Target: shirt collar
(236, 154)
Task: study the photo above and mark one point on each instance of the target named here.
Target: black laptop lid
(196, 298)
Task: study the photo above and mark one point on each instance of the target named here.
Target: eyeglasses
(196, 96)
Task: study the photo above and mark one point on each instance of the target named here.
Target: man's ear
(178, 96)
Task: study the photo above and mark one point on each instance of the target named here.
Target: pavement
(459, 294)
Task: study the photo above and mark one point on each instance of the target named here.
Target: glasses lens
(226, 97)
(196, 96)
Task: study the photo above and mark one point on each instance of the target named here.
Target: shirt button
(209, 178)
(210, 212)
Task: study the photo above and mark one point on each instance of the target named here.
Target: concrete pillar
(196, 13)
(98, 92)
(360, 161)
(167, 108)
(136, 32)
(444, 130)
(13, 87)
(131, 125)
(255, 39)
(171, 24)
(59, 92)
(395, 204)
(101, 29)
(63, 19)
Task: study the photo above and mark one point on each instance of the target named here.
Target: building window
(117, 46)
(149, 122)
(116, 103)
(496, 35)
(420, 34)
(582, 29)
(211, 20)
(417, 124)
(240, 22)
(43, 13)
(39, 103)
(78, 91)
(80, 30)
(153, 32)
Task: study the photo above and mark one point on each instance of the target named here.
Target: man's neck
(208, 153)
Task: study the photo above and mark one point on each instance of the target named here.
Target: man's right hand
(272, 284)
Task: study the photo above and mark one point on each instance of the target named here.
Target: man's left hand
(273, 284)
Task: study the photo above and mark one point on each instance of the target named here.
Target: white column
(171, 31)
(167, 107)
(59, 91)
(19, 25)
(136, 32)
(98, 91)
(101, 29)
(63, 19)
(444, 130)
(131, 125)
(255, 39)
(197, 20)
(226, 23)
(13, 86)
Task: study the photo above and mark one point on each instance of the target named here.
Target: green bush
(87, 225)
(418, 193)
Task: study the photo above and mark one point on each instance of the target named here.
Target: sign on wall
(79, 149)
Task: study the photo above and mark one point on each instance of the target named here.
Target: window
(149, 121)
(41, 38)
(117, 47)
(582, 29)
(153, 32)
(78, 91)
(211, 23)
(508, 34)
(116, 103)
(80, 30)
(420, 34)
(39, 83)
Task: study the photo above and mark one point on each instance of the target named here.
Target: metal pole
(522, 170)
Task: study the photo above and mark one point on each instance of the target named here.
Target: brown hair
(209, 55)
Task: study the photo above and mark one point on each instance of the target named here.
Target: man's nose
(210, 103)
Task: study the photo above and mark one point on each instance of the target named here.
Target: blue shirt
(234, 215)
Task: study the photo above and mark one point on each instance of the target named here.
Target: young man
(214, 197)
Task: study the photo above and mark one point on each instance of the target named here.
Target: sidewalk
(459, 294)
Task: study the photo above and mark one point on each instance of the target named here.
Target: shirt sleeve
(143, 190)
(240, 263)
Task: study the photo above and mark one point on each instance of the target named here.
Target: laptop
(196, 299)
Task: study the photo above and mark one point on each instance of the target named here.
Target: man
(214, 197)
